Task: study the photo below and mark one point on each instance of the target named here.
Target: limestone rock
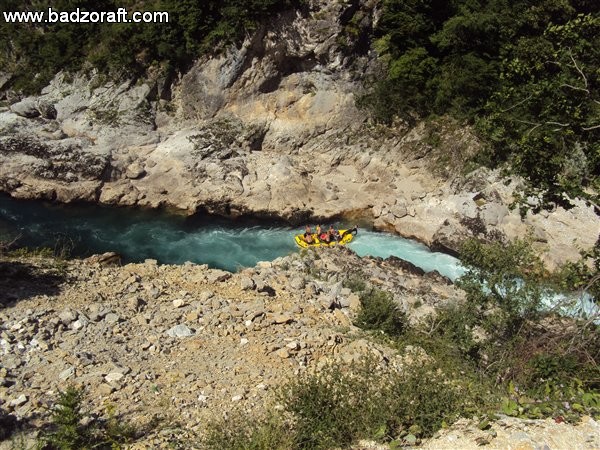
(282, 319)
(246, 283)
(47, 110)
(67, 316)
(180, 331)
(216, 276)
(179, 303)
(135, 171)
(20, 400)
(67, 373)
(26, 108)
(112, 318)
(283, 353)
(113, 377)
(105, 259)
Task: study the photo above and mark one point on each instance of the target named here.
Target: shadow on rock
(20, 281)
(8, 425)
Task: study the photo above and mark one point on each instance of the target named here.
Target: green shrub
(427, 397)
(335, 406)
(239, 432)
(525, 73)
(26, 252)
(72, 429)
(379, 311)
(451, 329)
(505, 284)
(34, 53)
(355, 284)
(340, 405)
(67, 415)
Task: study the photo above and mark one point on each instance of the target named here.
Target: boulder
(105, 259)
(448, 238)
(493, 213)
(26, 108)
(217, 276)
(399, 211)
(246, 283)
(67, 316)
(405, 265)
(135, 171)
(46, 110)
(180, 331)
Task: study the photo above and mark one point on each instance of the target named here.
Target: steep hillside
(185, 354)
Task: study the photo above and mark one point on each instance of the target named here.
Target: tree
(504, 284)
(545, 118)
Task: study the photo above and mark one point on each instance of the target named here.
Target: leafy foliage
(379, 311)
(526, 73)
(334, 407)
(547, 365)
(547, 110)
(340, 405)
(583, 275)
(73, 429)
(503, 283)
(67, 415)
(241, 433)
(35, 52)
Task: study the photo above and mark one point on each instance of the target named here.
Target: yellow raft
(347, 236)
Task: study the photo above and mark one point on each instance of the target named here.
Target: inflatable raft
(346, 237)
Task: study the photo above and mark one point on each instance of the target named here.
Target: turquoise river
(172, 239)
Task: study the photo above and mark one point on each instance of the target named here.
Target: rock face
(268, 129)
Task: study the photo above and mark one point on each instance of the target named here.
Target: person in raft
(332, 234)
(323, 235)
(308, 235)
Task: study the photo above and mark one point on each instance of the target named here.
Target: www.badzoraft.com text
(121, 15)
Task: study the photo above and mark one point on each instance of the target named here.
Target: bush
(505, 284)
(428, 396)
(336, 407)
(380, 312)
(355, 284)
(73, 429)
(239, 432)
(66, 419)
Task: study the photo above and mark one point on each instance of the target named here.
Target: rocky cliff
(268, 129)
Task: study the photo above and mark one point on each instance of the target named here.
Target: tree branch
(5, 246)
(516, 104)
(585, 81)
(590, 128)
(575, 87)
